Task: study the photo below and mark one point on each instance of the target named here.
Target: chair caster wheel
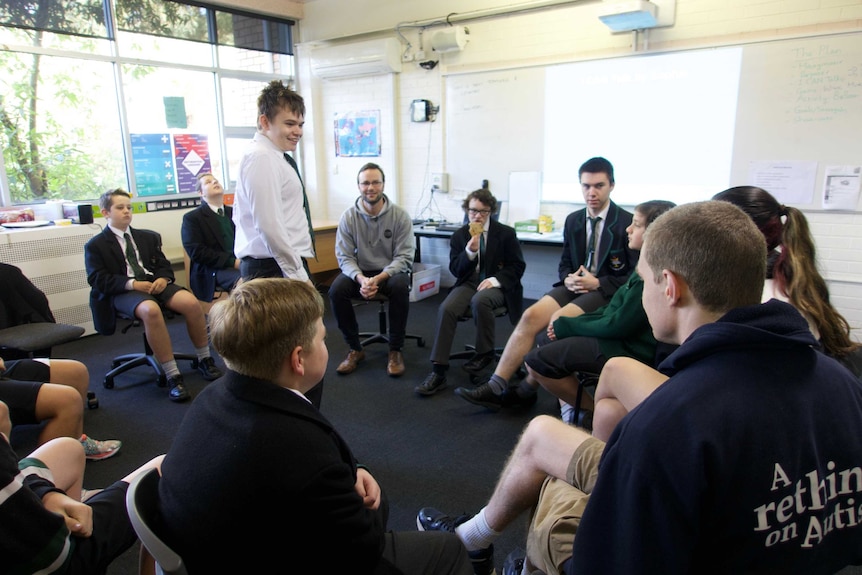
(108, 383)
(420, 342)
(92, 400)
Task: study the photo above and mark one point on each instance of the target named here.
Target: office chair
(382, 336)
(125, 362)
(27, 326)
(469, 349)
(142, 506)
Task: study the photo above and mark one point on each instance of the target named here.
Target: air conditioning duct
(357, 59)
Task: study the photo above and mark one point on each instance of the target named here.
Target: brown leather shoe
(351, 362)
(395, 367)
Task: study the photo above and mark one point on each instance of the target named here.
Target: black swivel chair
(469, 349)
(125, 362)
(382, 336)
(28, 328)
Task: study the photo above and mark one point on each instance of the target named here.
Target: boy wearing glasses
(596, 260)
(374, 246)
(485, 258)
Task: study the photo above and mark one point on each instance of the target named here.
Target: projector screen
(666, 123)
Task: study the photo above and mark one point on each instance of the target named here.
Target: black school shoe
(208, 369)
(485, 397)
(178, 391)
(478, 362)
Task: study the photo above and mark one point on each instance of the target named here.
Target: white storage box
(426, 281)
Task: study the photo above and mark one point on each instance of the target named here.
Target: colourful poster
(167, 164)
(153, 162)
(192, 157)
(357, 134)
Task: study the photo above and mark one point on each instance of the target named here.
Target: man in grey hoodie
(374, 246)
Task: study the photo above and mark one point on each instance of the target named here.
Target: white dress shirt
(267, 210)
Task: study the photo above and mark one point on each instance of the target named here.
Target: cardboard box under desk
(426, 281)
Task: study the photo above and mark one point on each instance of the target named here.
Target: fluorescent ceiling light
(635, 14)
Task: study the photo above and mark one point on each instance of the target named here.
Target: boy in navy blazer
(208, 234)
(128, 273)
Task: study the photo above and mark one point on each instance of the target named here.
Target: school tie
(293, 165)
(591, 246)
(481, 257)
(220, 212)
(132, 258)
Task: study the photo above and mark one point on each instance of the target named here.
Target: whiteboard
(494, 126)
(798, 100)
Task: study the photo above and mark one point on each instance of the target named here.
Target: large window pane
(254, 33)
(161, 100)
(160, 18)
(84, 17)
(172, 50)
(61, 127)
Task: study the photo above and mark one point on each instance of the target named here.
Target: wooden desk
(325, 267)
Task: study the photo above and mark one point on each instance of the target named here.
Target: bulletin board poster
(192, 157)
(152, 158)
(167, 164)
(357, 134)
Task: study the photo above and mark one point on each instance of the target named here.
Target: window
(78, 98)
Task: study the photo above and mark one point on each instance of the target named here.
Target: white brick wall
(412, 151)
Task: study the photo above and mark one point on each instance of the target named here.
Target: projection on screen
(666, 123)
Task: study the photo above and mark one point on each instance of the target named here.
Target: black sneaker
(514, 563)
(178, 391)
(430, 519)
(431, 384)
(208, 369)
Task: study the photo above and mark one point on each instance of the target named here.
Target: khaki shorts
(560, 508)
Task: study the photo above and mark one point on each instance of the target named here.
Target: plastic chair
(382, 336)
(142, 506)
(125, 362)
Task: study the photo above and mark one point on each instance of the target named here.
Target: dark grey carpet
(438, 451)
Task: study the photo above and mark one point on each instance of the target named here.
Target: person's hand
(369, 287)
(582, 281)
(551, 335)
(368, 489)
(485, 284)
(78, 516)
(141, 285)
(473, 244)
(158, 286)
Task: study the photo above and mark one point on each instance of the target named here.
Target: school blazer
(503, 260)
(105, 263)
(204, 242)
(616, 260)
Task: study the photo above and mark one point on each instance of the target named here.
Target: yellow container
(546, 224)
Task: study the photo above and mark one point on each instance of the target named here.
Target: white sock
(202, 352)
(475, 532)
(171, 368)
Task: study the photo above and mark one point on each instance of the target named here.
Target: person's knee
(149, 312)
(58, 401)
(537, 431)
